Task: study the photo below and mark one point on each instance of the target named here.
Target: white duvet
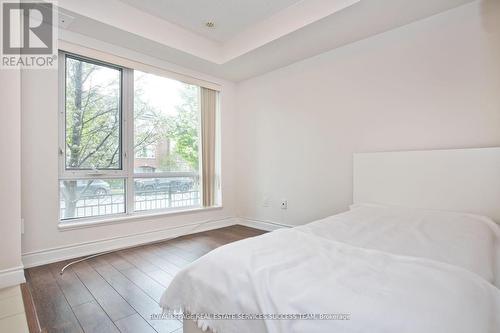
(361, 263)
(459, 239)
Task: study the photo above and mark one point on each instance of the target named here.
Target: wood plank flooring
(118, 292)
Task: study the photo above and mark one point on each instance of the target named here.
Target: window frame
(126, 171)
(68, 174)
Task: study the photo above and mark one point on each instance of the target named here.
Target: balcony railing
(147, 200)
(93, 205)
(96, 205)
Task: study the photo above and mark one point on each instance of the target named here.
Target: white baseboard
(12, 277)
(262, 225)
(48, 256)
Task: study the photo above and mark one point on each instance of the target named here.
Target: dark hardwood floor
(118, 292)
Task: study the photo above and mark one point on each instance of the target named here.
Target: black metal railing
(114, 203)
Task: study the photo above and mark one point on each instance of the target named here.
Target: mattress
(374, 268)
(465, 240)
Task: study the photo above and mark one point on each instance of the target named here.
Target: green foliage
(93, 125)
(92, 116)
(185, 126)
(180, 130)
(151, 125)
(93, 120)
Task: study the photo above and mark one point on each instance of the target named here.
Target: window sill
(93, 222)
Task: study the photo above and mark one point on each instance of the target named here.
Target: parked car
(92, 187)
(177, 184)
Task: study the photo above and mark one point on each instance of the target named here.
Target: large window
(93, 115)
(130, 141)
(166, 143)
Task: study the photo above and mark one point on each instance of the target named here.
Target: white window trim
(127, 141)
(65, 174)
(122, 218)
(135, 64)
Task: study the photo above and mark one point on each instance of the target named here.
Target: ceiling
(268, 36)
(230, 16)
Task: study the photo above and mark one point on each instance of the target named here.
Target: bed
(421, 256)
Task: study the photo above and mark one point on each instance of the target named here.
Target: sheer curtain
(208, 103)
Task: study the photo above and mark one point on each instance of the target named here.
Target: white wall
(10, 178)
(43, 241)
(432, 84)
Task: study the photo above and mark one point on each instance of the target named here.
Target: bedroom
(294, 112)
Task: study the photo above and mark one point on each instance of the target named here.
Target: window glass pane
(91, 197)
(166, 125)
(165, 193)
(93, 116)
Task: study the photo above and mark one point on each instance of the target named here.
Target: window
(93, 115)
(166, 123)
(130, 141)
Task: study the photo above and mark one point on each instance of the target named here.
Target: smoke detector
(210, 24)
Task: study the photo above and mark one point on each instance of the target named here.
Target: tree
(93, 124)
(92, 117)
(185, 126)
(150, 124)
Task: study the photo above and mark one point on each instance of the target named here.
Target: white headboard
(464, 180)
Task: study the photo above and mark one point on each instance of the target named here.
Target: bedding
(464, 240)
(372, 266)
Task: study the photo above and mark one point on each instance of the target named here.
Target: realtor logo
(28, 35)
